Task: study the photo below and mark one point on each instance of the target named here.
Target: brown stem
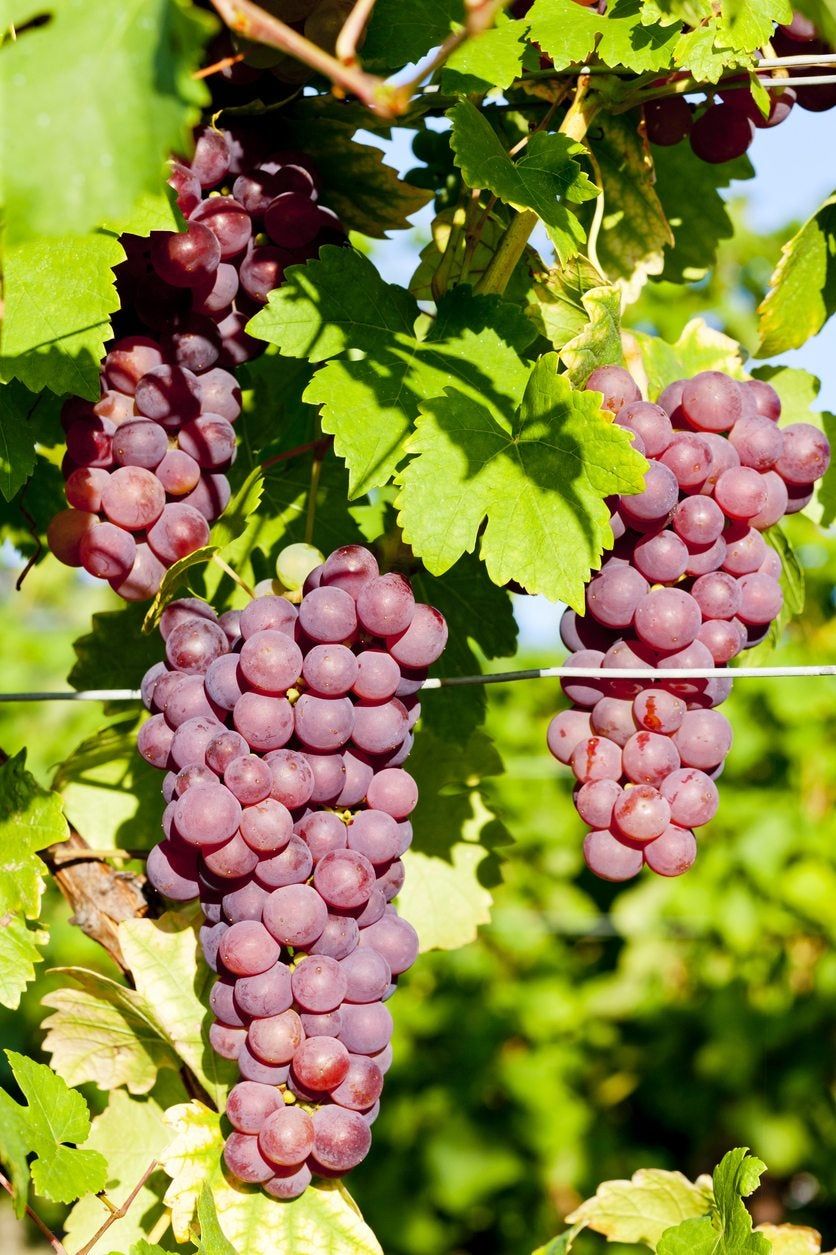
(253, 23)
(119, 1212)
(225, 63)
(33, 532)
(321, 442)
(56, 1244)
(62, 857)
(352, 32)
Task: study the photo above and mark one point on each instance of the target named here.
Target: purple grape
(609, 858)
(296, 914)
(265, 994)
(286, 1136)
(672, 853)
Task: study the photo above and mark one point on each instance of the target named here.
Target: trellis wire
(500, 677)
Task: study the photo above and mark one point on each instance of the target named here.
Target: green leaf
(31, 818)
(107, 90)
(404, 30)
(634, 232)
(557, 306)
(481, 622)
(799, 391)
(54, 1115)
(728, 1231)
(490, 59)
(324, 1219)
(699, 347)
(365, 193)
(114, 653)
(452, 864)
(17, 441)
(130, 1132)
(689, 191)
(538, 484)
(18, 955)
(171, 975)
(542, 179)
(793, 588)
(802, 293)
(14, 1148)
(340, 303)
(111, 796)
(697, 51)
(599, 343)
(59, 295)
(568, 33)
(475, 254)
(212, 1240)
(643, 1208)
(103, 1032)
(748, 24)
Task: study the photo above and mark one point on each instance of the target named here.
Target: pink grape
(609, 858)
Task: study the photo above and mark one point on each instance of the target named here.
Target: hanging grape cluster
(283, 733)
(721, 129)
(146, 464)
(690, 583)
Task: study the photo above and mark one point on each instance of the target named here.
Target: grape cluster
(690, 583)
(283, 733)
(725, 128)
(146, 464)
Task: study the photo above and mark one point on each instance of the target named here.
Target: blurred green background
(590, 1030)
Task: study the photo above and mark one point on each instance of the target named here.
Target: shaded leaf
(802, 294)
(17, 440)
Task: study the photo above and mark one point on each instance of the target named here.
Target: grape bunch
(689, 583)
(146, 464)
(283, 734)
(725, 128)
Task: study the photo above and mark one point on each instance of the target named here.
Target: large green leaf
(748, 24)
(404, 30)
(490, 59)
(569, 32)
(100, 95)
(728, 1230)
(17, 441)
(802, 294)
(690, 194)
(323, 1221)
(111, 796)
(538, 483)
(31, 818)
(53, 1116)
(545, 178)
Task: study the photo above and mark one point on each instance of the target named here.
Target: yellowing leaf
(641, 1209)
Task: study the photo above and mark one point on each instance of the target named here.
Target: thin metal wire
(502, 677)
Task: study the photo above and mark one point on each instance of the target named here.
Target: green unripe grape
(295, 563)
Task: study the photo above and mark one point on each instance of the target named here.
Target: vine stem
(119, 1212)
(513, 243)
(56, 1243)
(480, 16)
(352, 31)
(598, 215)
(321, 442)
(233, 575)
(313, 493)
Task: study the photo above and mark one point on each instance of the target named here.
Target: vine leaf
(491, 59)
(173, 979)
(568, 33)
(794, 590)
(791, 1239)
(324, 1220)
(107, 112)
(728, 1229)
(404, 30)
(130, 1132)
(802, 293)
(690, 193)
(340, 304)
(699, 347)
(748, 24)
(53, 1116)
(453, 863)
(18, 955)
(114, 653)
(556, 304)
(31, 818)
(111, 795)
(17, 440)
(643, 1208)
(599, 341)
(538, 481)
(212, 1240)
(543, 178)
(102, 1031)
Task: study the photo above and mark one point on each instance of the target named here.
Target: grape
(338, 938)
(358, 777)
(667, 121)
(329, 776)
(330, 670)
(723, 639)
(617, 386)
(179, 531)
(267, 826)
(185, 260)
(761, 598)
(668, 619)
(210, 440)
(90, 441)
(805, 456)
(211, 159)
(661, 557)
(613, 597)
(703, 739)
(650, 422)
(107, 552)
(703, 559)
(740, 493)
(394, 791)
(366, 1027)
(194, 342)
(717, 595)
(250, 1104)
(324, 723)
(692, 796)
(724, 457)
(247, 949)
(641, 813)
(216, 296)
(385, 605)
(286, 1136)
(207, 814)
(688, 456)
(232, 860)
(344, 879)
(192, 646)
(266, 994)
(374, 834)
(293, 779)
(244, 1159)
(266, 723)
(767, 401)
(651, 508)
(292, 220)
(609, 858)
(712, 401)
(656, 710)
(322, 832)
(319, 984)
(228, 221)
(745, 553)
(361, 1086)
(291, 866)
(721, 134)
(594, 802)
(296, 914)
(698, 520)
(584, 692)
(246, 902)
(178, 473)
(352, 568)
(223, 748)
(171, 872)
(289, 1183)
(133, 498)
(341, 1138)
(377, 729)
(612, 718)
(128, 360)
(378, 675)
(84, 489)
(759, 443)
(254, 1069)
(422, 642)
(321, 1063)
(777, 501)
(328, 615)
(221, 682)
(275, 1038)
(648, 757)
(672, 853)
(270, 661)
